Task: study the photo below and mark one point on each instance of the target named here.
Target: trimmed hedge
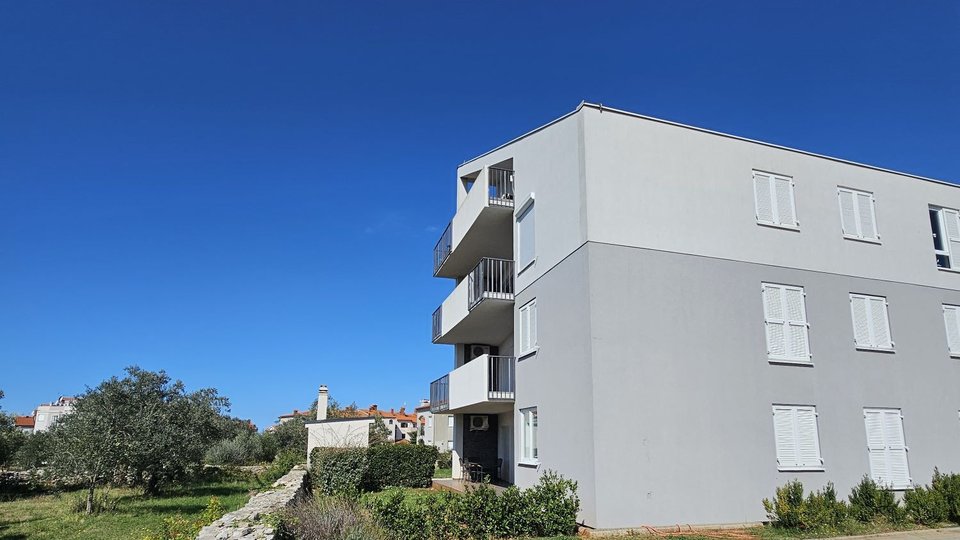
(548, 509)
(348, 471)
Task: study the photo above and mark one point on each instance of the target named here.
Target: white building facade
(681, 320)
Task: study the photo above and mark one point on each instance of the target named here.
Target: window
(526, 242)
(528, 328)
(403, 424)
(887, 448)
(41, 417)
(797, 440)
(951, 319)
(528, 447)
(858, 216)
(945, 227)
(773, 196)
(871, 324)
(785, 319)
(450, 421)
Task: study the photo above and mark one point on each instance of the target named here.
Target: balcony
(480, 308)
(483, 225)
(486, 384)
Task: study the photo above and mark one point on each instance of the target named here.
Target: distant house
(24, 423)
(47, 414)
(354, 431)
(295, 414)
(436, 429)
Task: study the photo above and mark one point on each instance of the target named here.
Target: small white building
(47, 414)
(435, 429)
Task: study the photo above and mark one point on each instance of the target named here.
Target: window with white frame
(951, 320)
(528, 327)
(797, 439)
(858, 215)
(785, 321)
(450, 421)
(871, 322)
(528, 436)
(773, 197)
(945, 227)
(526, 242)
(887, 448)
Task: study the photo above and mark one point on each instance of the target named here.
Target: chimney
(373, 407)
(403, 410)
(424, 402)
(322, 399)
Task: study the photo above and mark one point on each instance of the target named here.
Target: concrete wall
(678, 343)
(558, 380)
(659, 186)
(340, 433)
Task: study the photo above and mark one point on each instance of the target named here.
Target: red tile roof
(23, 421)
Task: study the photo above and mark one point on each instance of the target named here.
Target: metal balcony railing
(491, 278)
(437, 323)
(443, 248)
(503, 377)
(440, 394)
(500, 186)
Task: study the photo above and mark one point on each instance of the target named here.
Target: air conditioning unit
(477, 351)
(479, 423)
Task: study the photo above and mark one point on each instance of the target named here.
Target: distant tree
(290, 436)
(34, 451)
(144, 426)
(379, 434)
(334, 410)
(11, 438)
(414, 436)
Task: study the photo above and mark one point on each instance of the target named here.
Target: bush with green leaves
(445, 460)
(329, 518)
(282, 464)
(243, 449)
(925, 506)
(547, 509)
(948, 486)
(869, 502)
(400, 465)
(338, 471)
(819, 510)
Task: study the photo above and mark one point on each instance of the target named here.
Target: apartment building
(436, 429)
(47, 414)
(681, 320)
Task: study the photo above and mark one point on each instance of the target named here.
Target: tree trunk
(151, 487)
(90, 500)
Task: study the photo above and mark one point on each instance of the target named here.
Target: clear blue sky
(247, 194)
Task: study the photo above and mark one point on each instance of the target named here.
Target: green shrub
(245, 448)
(869, 502)
(788, 508)
(180, 528)
(948, 486)
(547, 509)
(400, 465)
(824, 510)
(281, 465)
(329, 518)
(445, 460)
(925, 506)
(338, 471)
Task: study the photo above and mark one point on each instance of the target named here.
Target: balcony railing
(492, 278)
(500, 186)
(437, 323)
(443, 248)
(440, 394)
(503, 377)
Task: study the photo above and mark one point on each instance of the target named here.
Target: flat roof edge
(602, 108)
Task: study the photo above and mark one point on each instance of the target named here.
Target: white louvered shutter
(524, 329)
(533, 324)
(861, 325)
(783, 429)
(774, 321)
(951, 319)
(876, 449)
(796, 324)
(785, 211)
(898, 471)
(952, 226)
(848, 215)
(866, 216)
(763, 197)
(808, 440)
(880, 323)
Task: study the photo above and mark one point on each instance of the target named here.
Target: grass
(443, 473)
(49, 516)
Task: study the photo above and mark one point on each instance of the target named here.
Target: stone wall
(248, 523)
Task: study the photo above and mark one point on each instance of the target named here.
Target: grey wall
(678, 341)
(558, 381)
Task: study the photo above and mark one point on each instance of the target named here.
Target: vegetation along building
(681, 320)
